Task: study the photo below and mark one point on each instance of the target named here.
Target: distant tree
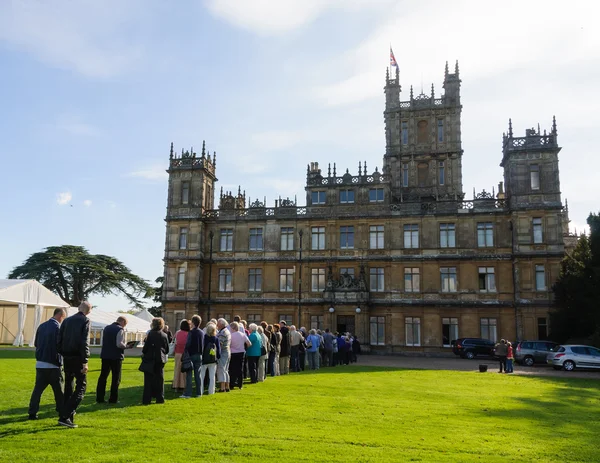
(157, 297)
(75, 275)
(576, 317)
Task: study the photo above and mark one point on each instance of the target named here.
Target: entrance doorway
(346, 324)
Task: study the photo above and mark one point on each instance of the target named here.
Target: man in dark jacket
(48, 363)
(73, 344)
(194, 348)
(284, 354)
(112, 355)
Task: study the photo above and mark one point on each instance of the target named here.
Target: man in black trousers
(48, 363)
(112, 355)
(73, 344)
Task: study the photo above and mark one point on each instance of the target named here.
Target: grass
(345, 414)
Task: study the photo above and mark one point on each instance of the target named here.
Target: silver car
(571, 356)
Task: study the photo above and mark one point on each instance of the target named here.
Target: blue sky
(94, 92)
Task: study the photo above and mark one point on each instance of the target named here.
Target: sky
(93, 93)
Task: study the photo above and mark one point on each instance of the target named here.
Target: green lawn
(345, 414)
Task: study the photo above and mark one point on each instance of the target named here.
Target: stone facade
(399, 257)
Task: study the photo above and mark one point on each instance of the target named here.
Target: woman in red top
(180, 340)
(509, 359)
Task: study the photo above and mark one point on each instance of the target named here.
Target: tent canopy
(144, 315)
(101, 319)
(28, 292)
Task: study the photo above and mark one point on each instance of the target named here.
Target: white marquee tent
(144, 315)
(135, 330)
(20, 298)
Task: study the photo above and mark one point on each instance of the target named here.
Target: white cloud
(153, 173)
(87, 203)
(64, 198)
(85, 36)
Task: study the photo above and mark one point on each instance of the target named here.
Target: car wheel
(470, 355)
(568, 365)
(528, 361)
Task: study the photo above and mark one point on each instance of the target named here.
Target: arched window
(422, 132)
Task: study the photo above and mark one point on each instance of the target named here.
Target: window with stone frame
(413, 331)
(404, 132)
(411, 236)
(405, 174)
(449, 331)
(412, 280)
(376, 195)
(487, 280)
(256, 239)
(226, 239)
(286, 280)
(377, 331)
(225, 279)
(488, 329)
(318, 197)
(347, 237)
(376, 279)
(287, 318)
(485, 234)
(253, 318)
(534, 175)
(538, 236)
(440, 130)
(346, 196)
(185, 192)
(376, 237)
(449, 280)
(347, 270)
(447, 235)
(540, 278)
(317, 280)
(318, 238)
(255, 280)
(287, 239)
(441, 172)
(181, 277)
(225, 316)
(183, 236)
(317, 322)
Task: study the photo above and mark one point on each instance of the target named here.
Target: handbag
(172, 348)
(263, 350)
(186, 363)
(147, 366)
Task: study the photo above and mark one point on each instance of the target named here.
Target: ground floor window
(488, 329)
(377, 331)
(413, 331)
(253, 318)
(542, 328)
(287, 318)
(449, 331)
(226, 316)
(179, 316)
(316, 322)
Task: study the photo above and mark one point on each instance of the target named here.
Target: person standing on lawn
(285, 348)
(501, 350)
(509, 358)
(73, 345)
(194, 348)
(112, 355)
(155, 350)
(48, 363)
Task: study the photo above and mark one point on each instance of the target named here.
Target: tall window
(255, 279)
(542, 328)
(413, 331)
(376, 279)
(256, 239)
(447, 235)
(317, 279)
(488, 329)
(377, 335)
(412, 280)
(346, 237)
(286, 317)
(540, 278)
(487, 280)
(537, 231)
(185, 192)
(411, 236)
(405, 133)
(376, 195)
(318, 197)
(316, 322)
(226, 239)
(534, 174)
(347, 270)
(318, 237)
(448, 279)
(405, 174)
(225, 279)
(181, 277)
(346, 196)
(376, 237)
(183, 234)
(287, 239)
(485, 234)
(440, 130)
(286, 280)
(449, 331)
(441, 173)
(253, 318)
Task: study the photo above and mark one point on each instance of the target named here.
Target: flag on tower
(393, 59)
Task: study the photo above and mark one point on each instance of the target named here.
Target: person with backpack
(210, 354)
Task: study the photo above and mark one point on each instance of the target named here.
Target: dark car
(529, 353)
(472, 347)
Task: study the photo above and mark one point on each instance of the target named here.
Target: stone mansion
(402, 257)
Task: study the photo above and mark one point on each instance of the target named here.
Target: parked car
(472, 347)
(569, 357)
(529, 353)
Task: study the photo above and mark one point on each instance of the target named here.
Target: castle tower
(423, 141)
(190, 193)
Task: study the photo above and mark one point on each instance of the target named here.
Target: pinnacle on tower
(510, 132)
(359, 168)
(411, 92)
(203, 148)
(446, 72)
(432, 91)
(456, 68)
(214, 159)
(171, 152)
(554, 132)
(387, 75)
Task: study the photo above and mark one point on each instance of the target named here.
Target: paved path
(458, 364)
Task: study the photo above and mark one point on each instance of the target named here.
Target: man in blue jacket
(48, 363)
